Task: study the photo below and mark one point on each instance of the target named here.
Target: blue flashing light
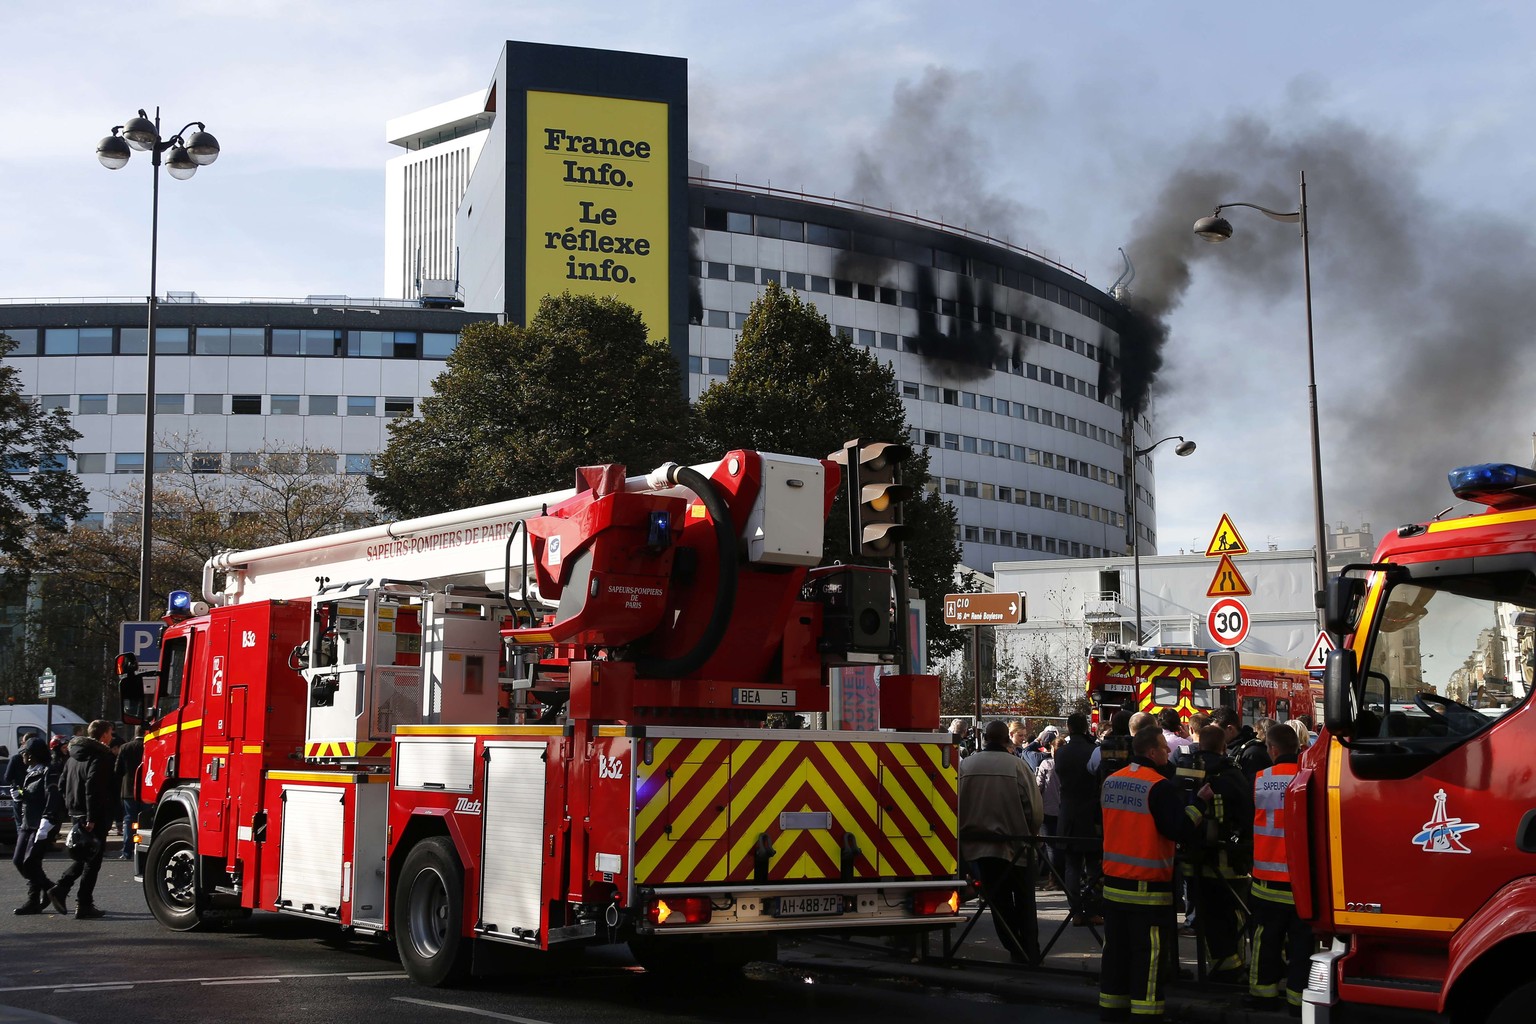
(1495, 484)
(180, 603)
(660, 533)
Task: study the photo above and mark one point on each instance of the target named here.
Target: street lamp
(1184, 448)
(183, 154)
(1216, 228)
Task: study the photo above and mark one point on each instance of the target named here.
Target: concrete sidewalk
(1068, 977)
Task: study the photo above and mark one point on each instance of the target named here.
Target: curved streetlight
(1217, 228)
(182, 154)
(1185, 448)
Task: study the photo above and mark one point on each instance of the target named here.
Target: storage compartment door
(313, 850)
(513, 859)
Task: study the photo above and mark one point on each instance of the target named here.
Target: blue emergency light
(180, 603)
(1495, 484)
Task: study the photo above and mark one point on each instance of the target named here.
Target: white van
(17, 720)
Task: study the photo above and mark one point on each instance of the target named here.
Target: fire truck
(1190, 679)
(1411, 824)
(542, 723)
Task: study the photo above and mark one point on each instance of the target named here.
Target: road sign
(1226, 540)
(983, 609)
(1319, 656)
(142, 640)
(1228, 621)
(47, 685)
(1227, 582)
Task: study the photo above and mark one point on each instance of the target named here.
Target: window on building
(245, 405)
(972, 534)
(93, 521)
(437, 345)
(952, 442)
(322, 405)
(208, 405)
(169, 341)
(695, 364)
(794, 280)
(967, 443)
(316, 463)
(231, 341)
(284, 405)
(305, 342)
(399, 406)
(206, 462)
(741, 223)
(362, 405)
(867, 338)
(170, 462)
(843, 288)
(1005, 494)
(988, 492)
(717, 271)
(746, 275)
(359, 465)
(48, 403)
(820, 234)
(931, 438)
(717, 367)
(25, 339)
(170, 404)
(988, 536)
(738, 320)
(244, 462)
(821, 284)
(129, 404)
(90, 462)
(971, 489)
(770, 276)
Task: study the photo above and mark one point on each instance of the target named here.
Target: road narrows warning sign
(1228, 582)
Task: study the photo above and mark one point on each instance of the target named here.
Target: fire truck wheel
(170, 878)
(429, 914)
(1514, 1008)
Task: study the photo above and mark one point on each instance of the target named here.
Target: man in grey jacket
(1000, 815)
(90, 795)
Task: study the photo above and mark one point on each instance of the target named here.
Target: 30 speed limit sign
(1228, 621)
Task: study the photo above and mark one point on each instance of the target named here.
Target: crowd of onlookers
(87, 782)
(1150, 816)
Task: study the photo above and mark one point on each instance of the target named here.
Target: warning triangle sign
(1226, 540)
(1228, 582)
(1319, 656)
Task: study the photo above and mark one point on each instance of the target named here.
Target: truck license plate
(763, 698)
(808, 906)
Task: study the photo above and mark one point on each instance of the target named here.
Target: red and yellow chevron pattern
(708, 810)
(1183, 677)
(348, 751)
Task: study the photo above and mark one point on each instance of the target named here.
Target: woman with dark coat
(41, 809)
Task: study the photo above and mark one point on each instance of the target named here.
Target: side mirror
(1339, 697)
(1342, 600)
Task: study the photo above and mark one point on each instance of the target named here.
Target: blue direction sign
(142, 640)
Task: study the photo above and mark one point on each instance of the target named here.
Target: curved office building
(570, 170)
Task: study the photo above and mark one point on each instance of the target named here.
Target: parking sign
(142, 640)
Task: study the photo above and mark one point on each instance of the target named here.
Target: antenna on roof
(1122, 283)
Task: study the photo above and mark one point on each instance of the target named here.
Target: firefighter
(1223, 860)
(1282, 942)
(1145, 815)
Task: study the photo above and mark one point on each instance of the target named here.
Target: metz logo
(609, 767)
(466, 806)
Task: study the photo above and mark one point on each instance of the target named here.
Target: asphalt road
(126, 967)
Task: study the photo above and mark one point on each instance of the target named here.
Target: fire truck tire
(1514, 1008)
(170, 879)
(722, 956)
(429, 914)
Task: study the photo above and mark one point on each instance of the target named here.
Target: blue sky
(1072, 129)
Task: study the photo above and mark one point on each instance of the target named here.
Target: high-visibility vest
(1133, 847)
(1269, 788)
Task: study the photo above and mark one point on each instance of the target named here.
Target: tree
(519, 408)
(38, 493)
(795, 387)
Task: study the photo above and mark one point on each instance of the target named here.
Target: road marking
(245, 981)
(470, 1009)
(204, 981)
(377, 977)
(76, 989)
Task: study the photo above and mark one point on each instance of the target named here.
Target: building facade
(571, 170)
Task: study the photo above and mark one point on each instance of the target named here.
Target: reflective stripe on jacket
(1133, 847)
(1269, 788)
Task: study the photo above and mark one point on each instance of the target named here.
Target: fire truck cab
(1412, 822)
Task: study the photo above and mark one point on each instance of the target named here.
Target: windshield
(1447, 659)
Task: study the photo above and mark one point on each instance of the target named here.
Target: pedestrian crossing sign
(1228, 582)
(1226, 540)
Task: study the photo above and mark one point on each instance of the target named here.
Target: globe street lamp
(182, 155)
(1184, 448)
(1217, 228)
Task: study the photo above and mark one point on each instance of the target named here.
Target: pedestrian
(16, 770)
(1000, 815)
(1050, 799)
(91, 797)
(1034, 751)
(1114, 750)
(1145, 815)
(1222, 860)
(129, 757)
(1243, 744)
(1018, 737)
(58, 750)
(39, 811)
(1282, 942)
(1173, 731)
(1302, 732)
(1079, 819)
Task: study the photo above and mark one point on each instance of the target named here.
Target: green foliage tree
(39, 495)
(519, 408)
(797, 388)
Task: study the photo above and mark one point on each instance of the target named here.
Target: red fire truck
(541, 724)
(1190, 679)
(1412, 822)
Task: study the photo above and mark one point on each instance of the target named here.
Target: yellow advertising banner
(597, 210)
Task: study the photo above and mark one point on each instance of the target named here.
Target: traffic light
(875, 493)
